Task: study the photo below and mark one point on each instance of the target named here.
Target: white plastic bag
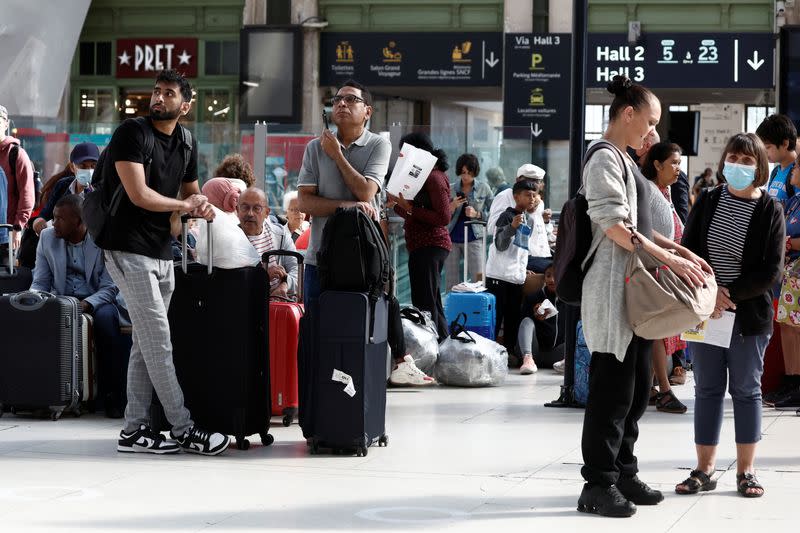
(422, 340)
(232, 249)
(468, 360)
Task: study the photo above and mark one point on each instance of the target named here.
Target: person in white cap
(539, 244)
(18, 169)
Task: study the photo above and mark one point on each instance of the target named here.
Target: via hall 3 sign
(142, 58)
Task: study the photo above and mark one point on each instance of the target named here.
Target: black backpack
(574, 238)
(353, 255)
(102, 203)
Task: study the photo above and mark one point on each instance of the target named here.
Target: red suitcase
(284, 332)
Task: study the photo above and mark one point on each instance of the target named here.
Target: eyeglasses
(257, 209)
(349, 99)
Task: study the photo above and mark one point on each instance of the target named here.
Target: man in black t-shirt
(149, 158)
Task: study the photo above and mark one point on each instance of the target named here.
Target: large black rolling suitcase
(13, 279)
(349, 374)
(220, 344)
(41, 366)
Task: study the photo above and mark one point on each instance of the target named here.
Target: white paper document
(412, 168)
(717, 332)
(547, 309)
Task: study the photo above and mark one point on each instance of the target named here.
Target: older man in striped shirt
(266, 236)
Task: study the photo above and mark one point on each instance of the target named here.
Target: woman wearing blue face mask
(740, 231)
(73, 180)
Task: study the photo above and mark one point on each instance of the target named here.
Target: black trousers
(424, 274)
(395, 337)
(509, 304)
(618, 397)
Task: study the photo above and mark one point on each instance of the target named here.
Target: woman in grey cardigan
(619, 380)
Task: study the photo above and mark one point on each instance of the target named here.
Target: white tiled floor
(458, 460)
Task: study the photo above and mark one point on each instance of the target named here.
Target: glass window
(596, 121)
(755, 115)
(213, 55)
(230, 58)
(86, 60)
(103, 54)
(222, 58)
(96, 107)
(216, 106)
(95, 59)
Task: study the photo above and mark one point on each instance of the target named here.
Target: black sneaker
(145, 440)
(202, 442)
(637, 491)
(605, 501)
(780, 394)
(790, 402)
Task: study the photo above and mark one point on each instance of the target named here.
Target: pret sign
(537, 86)
(680, 60)
(141, 58)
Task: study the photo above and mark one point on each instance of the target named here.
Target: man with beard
(155, 161)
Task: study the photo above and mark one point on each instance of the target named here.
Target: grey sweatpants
(147, 285)
(528, 342)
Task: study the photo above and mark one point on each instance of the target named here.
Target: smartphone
(325, 120)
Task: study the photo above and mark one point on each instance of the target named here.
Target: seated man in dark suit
(68, 263)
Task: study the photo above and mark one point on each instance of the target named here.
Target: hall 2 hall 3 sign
(143, 58)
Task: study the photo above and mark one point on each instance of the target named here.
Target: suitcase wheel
(362, 451)
(267, 439)
(242, 444)
(287, 420)
(383, 441)
(314, 447)
(55, 415)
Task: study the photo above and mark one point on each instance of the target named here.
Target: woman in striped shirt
(740, 230)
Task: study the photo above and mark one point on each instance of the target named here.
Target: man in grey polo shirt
(341, 170)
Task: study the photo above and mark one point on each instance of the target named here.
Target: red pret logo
(141, 58)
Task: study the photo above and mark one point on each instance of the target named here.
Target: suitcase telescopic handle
(10, 228)
(300, 273)
(184, 245)
(467, 224)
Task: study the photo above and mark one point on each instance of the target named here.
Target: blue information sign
(684, 60)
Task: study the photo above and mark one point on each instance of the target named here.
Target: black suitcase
(220, 344)
(13, 279)
(41, 366)
(349, 385)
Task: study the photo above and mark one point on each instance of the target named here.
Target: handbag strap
(459, 327)
(413, 314)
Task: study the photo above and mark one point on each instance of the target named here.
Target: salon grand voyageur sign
(143, 58)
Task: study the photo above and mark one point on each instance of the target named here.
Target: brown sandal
(666, 402)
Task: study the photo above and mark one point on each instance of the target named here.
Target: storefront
(121, 49)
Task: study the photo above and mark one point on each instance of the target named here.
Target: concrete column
(518, 16)
(311, 93)
(255, 12)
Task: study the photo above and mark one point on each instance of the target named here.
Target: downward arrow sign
(755, 63)
(536, 130)
(492, 61)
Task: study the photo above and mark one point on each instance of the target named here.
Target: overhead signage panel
(537, 86)
(412, 59)
(684, 60)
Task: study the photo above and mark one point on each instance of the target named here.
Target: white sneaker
(558, 367)
(528, 365)
(407, 373)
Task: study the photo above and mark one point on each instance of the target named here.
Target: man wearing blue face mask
(78, 175)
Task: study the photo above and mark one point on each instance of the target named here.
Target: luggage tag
(341, 377)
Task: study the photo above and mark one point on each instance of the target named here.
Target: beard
(164, 114)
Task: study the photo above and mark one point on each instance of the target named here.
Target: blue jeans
(744, 363)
